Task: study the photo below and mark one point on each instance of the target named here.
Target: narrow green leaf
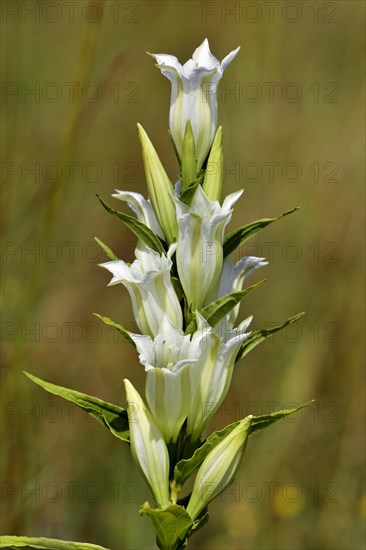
(173, 144)
(172, 524)
(186, 467)
(45, 543)
(138, 228)
(216, 311)
(261, 422)
(177, 287)
(189, 163)
(112, 416)
(239, 236)
(121, 330)
(259, 336)
(106, 249)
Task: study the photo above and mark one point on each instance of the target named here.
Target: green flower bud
(212, 183)
(160, 188)
(219, 468)
(148, 446)
(189, 163)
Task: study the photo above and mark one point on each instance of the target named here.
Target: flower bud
(148, 446)
(219, 468)
(189, 162)
(160, 188)
(212, 183)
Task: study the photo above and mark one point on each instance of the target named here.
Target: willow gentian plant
(185, 293)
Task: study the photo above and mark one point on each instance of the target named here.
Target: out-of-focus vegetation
(76, 80)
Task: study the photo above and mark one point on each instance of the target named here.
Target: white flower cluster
(188, 362)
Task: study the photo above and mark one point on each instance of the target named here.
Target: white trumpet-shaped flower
(148, 447)
(219, 468)
(142, 208)
(194, 96)
(150, 287)
(199, 252)
(211, 376)
(167, 360)
(232, 279)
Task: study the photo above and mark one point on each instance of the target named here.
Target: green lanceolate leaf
(186, 467)
(45, 544)
(111, 255)
(189, 163)
(119, 328)
(239, 236)
(173, 144)
(216, 311)
(259, 336)
(261, 422)
(141, 230)
(172, 524)
(112, 416)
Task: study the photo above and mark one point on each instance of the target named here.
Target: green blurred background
(292, 108)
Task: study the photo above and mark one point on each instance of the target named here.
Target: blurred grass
(300, 486)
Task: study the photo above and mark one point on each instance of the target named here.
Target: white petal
(229, 58)
(119, 269)
(168, 396)
(150, 287)
(204, 58)
(142, 208)
(164, 60)
(201, 230)
(231, 199)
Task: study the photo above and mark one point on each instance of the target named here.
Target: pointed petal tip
(128, 386)
(205, 43)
